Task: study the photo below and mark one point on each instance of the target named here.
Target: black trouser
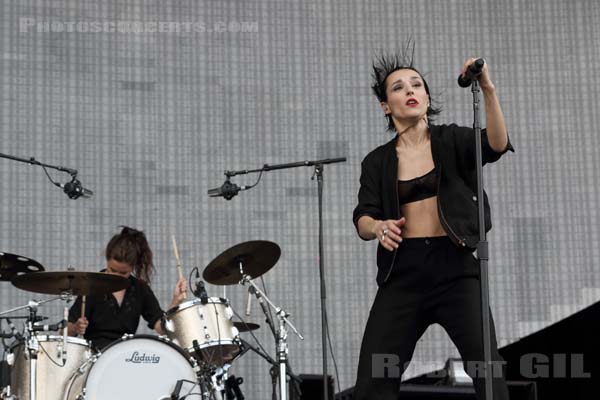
(432, 282)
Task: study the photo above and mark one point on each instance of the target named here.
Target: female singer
(418, 199)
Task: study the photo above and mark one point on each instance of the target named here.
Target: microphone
(249, 302)
(51, 327)
(473, 71)
(228, 190)
(200, 291)
(74, 190)
(175, 392)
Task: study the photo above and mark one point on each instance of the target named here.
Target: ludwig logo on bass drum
(138, 358)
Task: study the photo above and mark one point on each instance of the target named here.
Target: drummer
(110, 316)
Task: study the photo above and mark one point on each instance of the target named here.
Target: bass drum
(134, 367)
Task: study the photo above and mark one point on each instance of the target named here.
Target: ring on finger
(383, 234)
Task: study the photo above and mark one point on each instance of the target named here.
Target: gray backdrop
(151, 117)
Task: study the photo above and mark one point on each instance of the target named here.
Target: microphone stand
(482, 245)
(318, 172)
(33, 161)
(73, 189)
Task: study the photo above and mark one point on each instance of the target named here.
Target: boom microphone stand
(228, 190)
(72, 189)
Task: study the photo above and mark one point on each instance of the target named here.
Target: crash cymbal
(245, 326)
(12, 265)
(75, 282)
(257, 257)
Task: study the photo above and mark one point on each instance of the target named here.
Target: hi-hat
(74, 282)
(12, 265)
(256, 258)
(245, 326)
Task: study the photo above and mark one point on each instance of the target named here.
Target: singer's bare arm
(494, 117)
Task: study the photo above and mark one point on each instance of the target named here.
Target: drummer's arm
(158, 327)
(179, 295)
(80, 323)
(78, 327)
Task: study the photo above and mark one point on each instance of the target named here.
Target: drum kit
(200, 344)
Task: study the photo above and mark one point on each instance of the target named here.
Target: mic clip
(200, 292)
(73, 189)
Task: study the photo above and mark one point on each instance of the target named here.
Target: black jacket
(453, 150)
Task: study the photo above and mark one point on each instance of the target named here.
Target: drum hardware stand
(282, 334)
(212, 383)
(274, 366)
(211, 379)
(32, 344)
(5, 394)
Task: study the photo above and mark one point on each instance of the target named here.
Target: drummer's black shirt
(108, 321)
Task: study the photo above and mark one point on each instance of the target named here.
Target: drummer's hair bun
(131, 246)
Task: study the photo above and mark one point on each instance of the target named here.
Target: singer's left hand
(179, 293)
(484, 79)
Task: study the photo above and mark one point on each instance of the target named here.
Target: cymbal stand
(246, 346)
(282, 333)
(67, 296)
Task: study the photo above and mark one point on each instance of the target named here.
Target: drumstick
(82, 310)
(82, 306)
(178, 261)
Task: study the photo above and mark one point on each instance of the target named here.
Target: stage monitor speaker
(517, 391)
(312, 388)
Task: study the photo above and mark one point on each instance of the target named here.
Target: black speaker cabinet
(517, 390)
(312, 388)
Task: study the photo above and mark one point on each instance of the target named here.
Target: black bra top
(420, 188)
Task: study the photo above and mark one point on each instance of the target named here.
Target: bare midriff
(422, 219)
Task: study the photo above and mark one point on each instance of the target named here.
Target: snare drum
(134, 367)
(52, 375)
(209, 325)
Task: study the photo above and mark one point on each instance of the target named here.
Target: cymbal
(12, 265)
(75, 282)
(245, 327)
(257, 257)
